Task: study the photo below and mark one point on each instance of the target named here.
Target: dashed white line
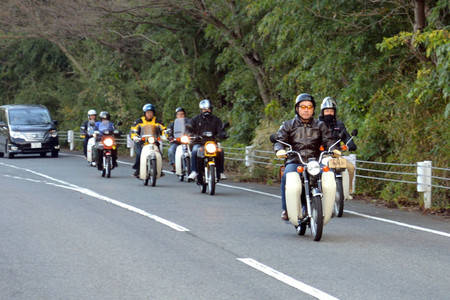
(287, 279)
(88, 192)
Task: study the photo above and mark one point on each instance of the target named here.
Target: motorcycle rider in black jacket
(305, 134)
(201, 123)
(329, 117)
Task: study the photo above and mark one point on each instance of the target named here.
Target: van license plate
(36, 145)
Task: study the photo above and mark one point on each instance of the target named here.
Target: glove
(337, 152)
(281, 153)
(136, 139)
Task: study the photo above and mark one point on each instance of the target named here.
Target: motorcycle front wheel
(153, 172)
(316, 218)
(108, 166)
(212, 180)
(339, 203)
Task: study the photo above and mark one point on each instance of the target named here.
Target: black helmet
(104, 115)
(179, 109)
(205, 104)
(148, 107)
(304, 97)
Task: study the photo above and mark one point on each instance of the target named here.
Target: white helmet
(92, 112)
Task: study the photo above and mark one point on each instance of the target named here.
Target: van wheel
(55, 154)
(43, 154)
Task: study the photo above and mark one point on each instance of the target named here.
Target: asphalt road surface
(68, 233)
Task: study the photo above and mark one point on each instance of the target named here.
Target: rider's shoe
(284, 215)
(173, 169)
(93, 164)
(136, 173)
(223, 176)
(192, 176)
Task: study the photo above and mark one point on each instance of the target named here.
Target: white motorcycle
(150, 168)
(319, 196)
(183, 158)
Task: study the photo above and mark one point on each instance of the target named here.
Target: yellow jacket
(136, 128)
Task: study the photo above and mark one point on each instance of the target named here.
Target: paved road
(68, 233)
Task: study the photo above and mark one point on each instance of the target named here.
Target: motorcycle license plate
(337, 163)
(36, 145)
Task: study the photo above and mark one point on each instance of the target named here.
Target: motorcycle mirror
(226, 125)
(355, 132)
(273, 138)
(82, 128)
(119, 123)
(55, 122)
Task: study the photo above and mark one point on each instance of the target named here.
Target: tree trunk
(419, 15)
(72, 59)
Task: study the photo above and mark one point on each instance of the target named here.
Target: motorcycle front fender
(329, 195)
(293, 191)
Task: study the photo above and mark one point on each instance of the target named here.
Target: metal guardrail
(250, 157)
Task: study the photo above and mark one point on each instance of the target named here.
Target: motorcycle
(107, 144)
(339, 165)
(315, 177)
(183, 158)
(151, 159)
(91, 142)
(206, 163)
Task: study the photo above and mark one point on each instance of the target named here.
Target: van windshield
(29, 116)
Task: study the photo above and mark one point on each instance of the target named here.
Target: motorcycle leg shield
(293, 197)
(145, 152)
(346, 184)
(158, 163)
(178, 160)
(90, 144)
(329, 195)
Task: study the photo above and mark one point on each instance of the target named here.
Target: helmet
(328, 102)
(104, 115)
(148, 107)
(304, 97)
(179, 109)
(205, 104)
(92, 112)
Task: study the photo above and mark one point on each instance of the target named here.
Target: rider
(90, 123)
(148, 118)
(328, 115)
(180, 113)
(204, 122)
(305, 134)
(104, 125)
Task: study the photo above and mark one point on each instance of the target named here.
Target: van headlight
(16, 135)
(313, 168)
(211, 148)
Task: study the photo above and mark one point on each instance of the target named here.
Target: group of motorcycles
(150, 168)
(311, 209)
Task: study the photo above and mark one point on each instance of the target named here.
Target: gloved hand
(281, 153)
(337, 152)
(136, 139)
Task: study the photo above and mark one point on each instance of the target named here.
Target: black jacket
(202, 123)
(305, 138)
(336, 128)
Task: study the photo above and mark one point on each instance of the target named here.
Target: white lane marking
(399, 223)
(100, 197)
(287, 279)
(415, 227)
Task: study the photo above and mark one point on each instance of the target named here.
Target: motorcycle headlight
(313, 168)
(108, 142)
(185, 139)
(211, 148)
(151, 139)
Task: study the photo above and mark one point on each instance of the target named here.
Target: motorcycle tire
(187, 165)
(316, 218)
(212, 180)
(153, 172)
(339, 203)
(108, 167)
(203, 185)
(103, 172)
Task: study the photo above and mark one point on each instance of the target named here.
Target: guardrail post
(71, 139)
(249, 157)
(130, 145)
(424, 181)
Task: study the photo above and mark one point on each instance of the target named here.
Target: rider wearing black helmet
(305, 134)
(104, 125)
(204, 122)
(174, 133)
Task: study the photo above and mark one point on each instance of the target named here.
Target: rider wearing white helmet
(92, 116)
